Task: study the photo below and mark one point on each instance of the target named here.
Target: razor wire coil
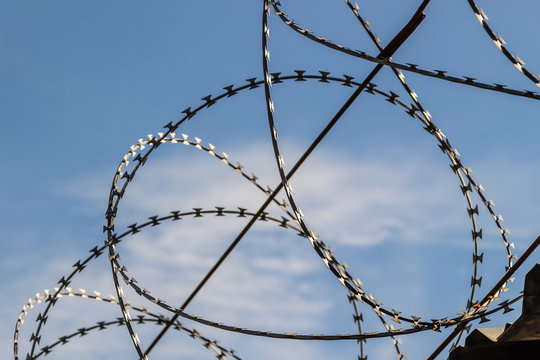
(292, 218)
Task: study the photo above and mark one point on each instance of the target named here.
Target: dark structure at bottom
(517, 341)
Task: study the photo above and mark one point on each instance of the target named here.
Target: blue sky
(81, 82)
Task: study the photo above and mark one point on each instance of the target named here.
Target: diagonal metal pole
(488, 297)
(388, 51)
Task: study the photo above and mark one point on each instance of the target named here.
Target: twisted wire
(340, 271)
(299, 77)
(414, 68)
(292, 218)
(158, 319)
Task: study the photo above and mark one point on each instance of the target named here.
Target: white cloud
(271, 281)
(351, 201)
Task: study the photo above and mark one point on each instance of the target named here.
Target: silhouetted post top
(519, 340)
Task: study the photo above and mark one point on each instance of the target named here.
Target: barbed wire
(157, 319)
(500, 43)
(414, 68)
(292, 217)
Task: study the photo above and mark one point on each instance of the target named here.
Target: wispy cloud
(273, 281)
(353, 201)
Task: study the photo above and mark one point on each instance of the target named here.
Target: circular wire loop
(140, 152)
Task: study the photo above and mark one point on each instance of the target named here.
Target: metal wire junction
(292, 217)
